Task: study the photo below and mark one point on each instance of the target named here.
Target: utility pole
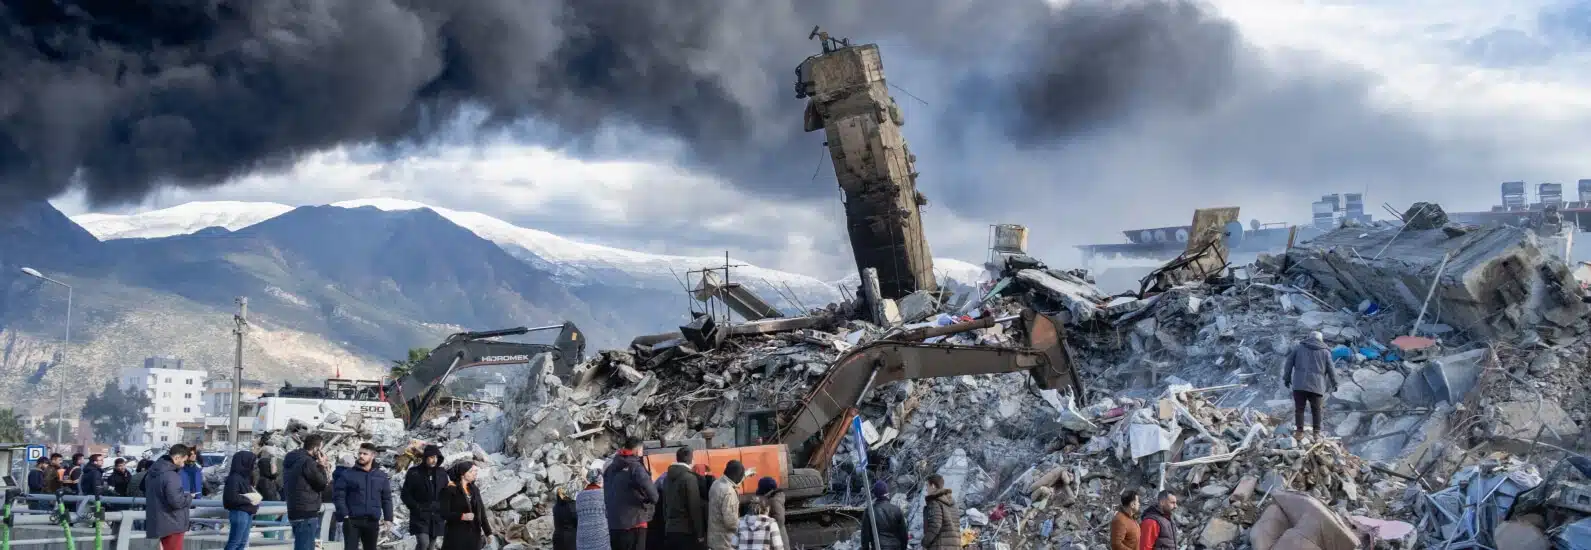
(242, 321)
(66, 342)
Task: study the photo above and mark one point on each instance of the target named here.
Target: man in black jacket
(892, 522)
(685, 516)
(120, 477)
(166, 504)
(363, 496)
(91, 480)
(305, 478)
(628, 494)
(422, 495)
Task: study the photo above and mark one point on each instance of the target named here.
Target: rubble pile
(1183, 391)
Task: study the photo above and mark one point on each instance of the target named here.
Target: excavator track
(823, 526)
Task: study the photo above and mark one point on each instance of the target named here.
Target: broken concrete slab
(1379, 390)
(1447, 379)
(1497, 280)
(1080, 299)
(1524, 420)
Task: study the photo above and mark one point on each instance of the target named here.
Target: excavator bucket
(475, 349)
(1059, 372)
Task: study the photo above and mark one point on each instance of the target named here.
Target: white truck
(311, 405)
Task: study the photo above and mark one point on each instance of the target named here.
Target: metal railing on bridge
(41, 529)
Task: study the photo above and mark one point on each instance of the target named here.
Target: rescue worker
(1310, 375)
(941, 517)
(1158, 531)
(1124, 527)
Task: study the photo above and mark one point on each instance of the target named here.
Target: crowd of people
(621, 507)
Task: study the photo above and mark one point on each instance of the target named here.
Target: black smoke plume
(120, 97)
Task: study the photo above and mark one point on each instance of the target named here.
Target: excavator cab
(759, 427)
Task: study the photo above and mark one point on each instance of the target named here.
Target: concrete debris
(1183, 391)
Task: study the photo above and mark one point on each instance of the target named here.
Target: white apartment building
(177, 395)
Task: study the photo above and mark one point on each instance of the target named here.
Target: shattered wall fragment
(1497, 281)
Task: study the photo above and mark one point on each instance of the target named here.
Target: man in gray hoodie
(1309, 374)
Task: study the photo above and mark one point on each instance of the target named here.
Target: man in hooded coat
(422, 495)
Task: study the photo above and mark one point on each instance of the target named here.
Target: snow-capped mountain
(182, 219)
(572, 262)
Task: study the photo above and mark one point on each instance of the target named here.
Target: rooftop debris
(1439, 431)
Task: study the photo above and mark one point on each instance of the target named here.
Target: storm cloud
(120, 98)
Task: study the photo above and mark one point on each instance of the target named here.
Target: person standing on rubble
(629, 496)
(685, 518)
(891, 522)
(1310, 375)
(422, 496)
(363, 496)
(1124, 527)
(723, 507)
(941, 516)
(166, 503)
(1158, 531)
(305, 477)
(591, 514)
(773, 496)
(467, 528)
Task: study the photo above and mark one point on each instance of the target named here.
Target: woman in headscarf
(463, 511)
(565, 521)
(592, 513)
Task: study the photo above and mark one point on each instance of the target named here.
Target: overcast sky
(1266, 105)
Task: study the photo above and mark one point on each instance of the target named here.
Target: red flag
(339, 372)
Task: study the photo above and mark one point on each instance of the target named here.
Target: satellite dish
(1234, 233)
(1160, 235)
(1254, 224)
(1182, 235)
(1146, 236)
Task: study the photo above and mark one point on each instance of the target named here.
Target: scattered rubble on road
(1461, 354)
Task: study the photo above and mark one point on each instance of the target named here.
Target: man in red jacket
(1158, 531)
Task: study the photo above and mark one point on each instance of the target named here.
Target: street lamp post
(60, 403)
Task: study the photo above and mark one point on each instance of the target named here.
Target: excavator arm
(831, 405)
(475, 349)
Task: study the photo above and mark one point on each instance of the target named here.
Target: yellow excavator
(796, 446)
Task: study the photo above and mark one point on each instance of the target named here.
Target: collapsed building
(1463, 389)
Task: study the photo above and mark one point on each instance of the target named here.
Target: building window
(165, 394)
(168, 379)
(165, 423)
(163, 439)
(187, 396)
(190, 381)
(165, 409)
(185, 409)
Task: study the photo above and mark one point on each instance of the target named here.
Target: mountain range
(331, 288)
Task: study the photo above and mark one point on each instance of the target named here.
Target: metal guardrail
(41, 529)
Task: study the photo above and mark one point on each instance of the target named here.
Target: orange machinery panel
(761, 460)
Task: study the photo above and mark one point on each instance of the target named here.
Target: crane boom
(853, 374)
(475, 349)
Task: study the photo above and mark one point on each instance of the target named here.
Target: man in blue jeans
(304, 478)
